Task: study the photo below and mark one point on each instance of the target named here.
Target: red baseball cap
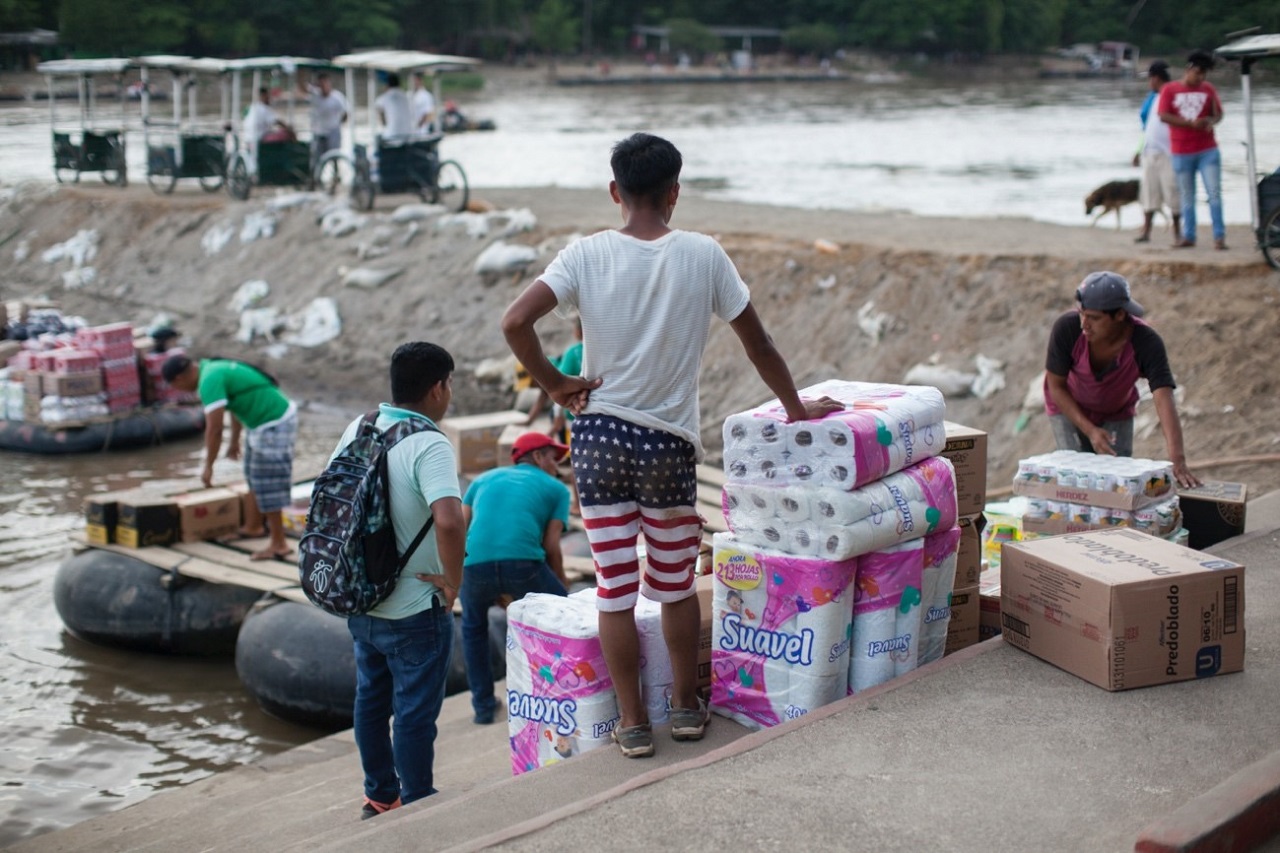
(532, 441)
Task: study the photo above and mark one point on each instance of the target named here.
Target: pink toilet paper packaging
(780, 632)
(886, 614)
(940, 551)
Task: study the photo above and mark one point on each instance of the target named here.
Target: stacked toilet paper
(780, 632)
(886, 614)
(560, 699)
(656, 676)
(940, 553)
(838, 524)
(883, 429)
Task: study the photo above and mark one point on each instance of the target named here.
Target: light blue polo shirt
(422, 469)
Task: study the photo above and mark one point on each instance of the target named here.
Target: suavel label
(737, 570)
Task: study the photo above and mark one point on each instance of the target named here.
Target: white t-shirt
(326, 110)
(1157, 135)
(258, 120)
(646, 308)
(394, 104)
(423, 105)
(422, 469)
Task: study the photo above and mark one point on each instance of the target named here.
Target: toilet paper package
(837, 525)
(656, 676)
(940, 555)
(883, 429)
(886, 614)
(780, 632)
(560, 699)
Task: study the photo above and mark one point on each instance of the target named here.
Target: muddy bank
(891, 291)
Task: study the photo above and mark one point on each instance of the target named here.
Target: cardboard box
(969, 555)
(1165, 526)
(989, 605)
(102, 514)
(33, 382)
(966, 449)
(507, 440)
(208, 514)
(962, 630)
(704, 584)
(72, 384)
(1123, 609)
(145, 521)
(1213, 512)
(475, 438)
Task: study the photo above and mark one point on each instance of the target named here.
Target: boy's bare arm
(518, 323)
(773, 369)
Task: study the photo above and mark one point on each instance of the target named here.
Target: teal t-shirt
(570, 364)
(510, 509)
(247, 393)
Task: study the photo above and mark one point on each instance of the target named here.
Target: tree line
(507, 29)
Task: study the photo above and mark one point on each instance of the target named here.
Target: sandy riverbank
(954, 288)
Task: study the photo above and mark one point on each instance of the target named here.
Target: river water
(89, 730)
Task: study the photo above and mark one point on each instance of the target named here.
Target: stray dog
(1111, 196)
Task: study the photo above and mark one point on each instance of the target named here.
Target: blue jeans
(400, 671)
(1069, 437)
(1209, 165)
(482, 584)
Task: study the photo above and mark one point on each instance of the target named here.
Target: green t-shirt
(245, 391)
(510, 509)
(570, 364)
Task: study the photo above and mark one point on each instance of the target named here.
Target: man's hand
(233, 450)
(1183, 475)
(1101, 441)
(442, 583)
(1137, 160)
(818, 409)
(574, 392)
(206, 476)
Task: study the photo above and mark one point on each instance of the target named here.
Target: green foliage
(819, 39)
(555, 30)
(17, 15)
(688, 36)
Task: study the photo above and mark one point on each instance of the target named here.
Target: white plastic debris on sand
(316, 324)
(341, 221)
(80, 249)
(216, 237)
(284, 201)
(257, 225)
(475, 224)
(950, 381)
(248, 295)
(513, 221)
(502, 257)
(872, 323)
(492, 370)
(367, 278)
(74, 279)
(416, 212)
(990, 378)
(1034, 399)
(259, 323)
(22, 250)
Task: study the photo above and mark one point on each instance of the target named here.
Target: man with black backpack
(270, 418)
(403, 642)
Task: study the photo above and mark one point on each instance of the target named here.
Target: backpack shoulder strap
(394, 435)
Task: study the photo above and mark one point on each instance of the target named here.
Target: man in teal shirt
(515, 515)
(271, 421)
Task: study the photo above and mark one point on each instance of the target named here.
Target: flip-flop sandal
(262, 556)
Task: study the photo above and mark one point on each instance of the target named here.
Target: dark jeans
(400, 671)
(1069, 437)
(482, 584)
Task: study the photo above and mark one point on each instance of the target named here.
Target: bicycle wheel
(451, 186)
(334, 172)
(162, 181)
(115, 170)
(211, 183)
(239, 183)
(1269, 239)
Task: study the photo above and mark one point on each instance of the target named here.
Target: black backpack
(347, 559)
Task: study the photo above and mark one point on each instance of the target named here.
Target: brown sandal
(285, 556)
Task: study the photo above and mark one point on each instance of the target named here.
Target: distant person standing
(515, 516)
(1159, 184)
(394, 111)
(423, 104)
(1191, 108)
(328, 113)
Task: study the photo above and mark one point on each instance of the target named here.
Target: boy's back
(646, 308)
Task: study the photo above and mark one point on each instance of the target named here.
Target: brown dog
(1111, 196)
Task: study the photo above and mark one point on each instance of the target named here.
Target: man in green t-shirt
(271, 422)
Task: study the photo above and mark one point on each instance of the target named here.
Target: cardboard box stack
(1121, 608)
(119, 362)
(843, 538)
(966, 448)
(138, 518)
(475, 438)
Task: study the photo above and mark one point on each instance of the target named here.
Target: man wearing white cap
(1096, 354)
(514, 515)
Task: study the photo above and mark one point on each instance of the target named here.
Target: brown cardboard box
(969, 555)
(33, 382)
(1213, 512)
(102, 514)
(704, 584)
(966, 448)
(989, 605)
(8, 349)
(475, 438)
(507, 440)
(962, 630)
(73, 384)
(147, 520)
(1123, 609)
(208, 514)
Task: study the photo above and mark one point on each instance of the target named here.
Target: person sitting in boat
(453, 117)
(271, 419)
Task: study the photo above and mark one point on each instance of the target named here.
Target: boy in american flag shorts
(646, 295)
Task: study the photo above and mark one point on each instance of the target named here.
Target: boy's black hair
(645, 167)
(1202, 59)
(393, 80)
(415, 368)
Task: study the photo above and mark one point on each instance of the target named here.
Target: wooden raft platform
(228, 561)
